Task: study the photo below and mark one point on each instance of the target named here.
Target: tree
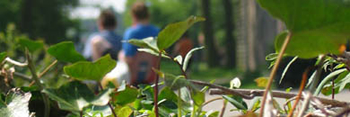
(212, 55)
(46, 19)
(230, 42)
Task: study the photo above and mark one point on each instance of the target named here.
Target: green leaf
(167, 94)
(15, 104)
(97, 111)
(287, 67)
(237, 102)
(84, 70)
(198, 97)
(309, 44)
(126, 96)
(318, 26)
(174, 82)
(327, 79)
(149, 43)
(74, 96)
(172, 32)
(188, 57)
(124, 111)
(3, 56)
(214, 114)
(150, 51)
(65, 51)
(30, 44)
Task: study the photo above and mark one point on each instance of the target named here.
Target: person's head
(139, 12)
(106, 20)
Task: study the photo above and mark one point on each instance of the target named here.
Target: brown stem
(302, 86)
(273, 72)
(222, 88)
(81, 113)
(276, 94)
(45, 71)
(212, 100)
(156, 87)
(223, 108)
(109, 103)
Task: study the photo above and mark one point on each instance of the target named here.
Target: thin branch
(47, 68)
(302, 86)
(273, 72)
(38, 83)
(223, 108)
(276, 94)
(222, 88)
(212, 100)
(22, 76)
(8, 59)
(305, 105)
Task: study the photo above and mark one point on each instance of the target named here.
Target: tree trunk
(212, 57)
(230, 42)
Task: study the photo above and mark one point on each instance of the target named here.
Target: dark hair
(140, 10)
(107, 19)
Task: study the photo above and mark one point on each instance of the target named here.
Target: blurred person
(106, 41)
(139, 63)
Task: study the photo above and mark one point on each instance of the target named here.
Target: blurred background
(237, 34)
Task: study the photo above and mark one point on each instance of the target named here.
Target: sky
(88, 9)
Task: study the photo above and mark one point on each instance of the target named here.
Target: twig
(302, 86)
(38, 83)
(8, 59)
(305, 105)
(343, 112)
(273, 72)
(47, 68)
(183, 72)
(222, 88)
(45, 71)
(276, 94)
(212, 100)
(22, 76)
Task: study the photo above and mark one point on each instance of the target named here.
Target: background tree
(46, 19)
(230, 42)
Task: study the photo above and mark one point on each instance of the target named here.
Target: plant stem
(38, 83)
(302, 86)
(273, 72)
(81, 113)
(8, 59)
(45, 71)
(223, 108)
(317, 75)
(212, 100)
(182, 71)
(156, 87)
(276, 94)
(109, 103)
(179, 106)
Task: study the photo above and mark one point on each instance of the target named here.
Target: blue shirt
(139, 31)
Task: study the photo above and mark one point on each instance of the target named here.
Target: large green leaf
(173, 32)
(317, 26)
(65, 51)
(3, 55)
(236, 101)
(15, 104)
(31, 45)
(84, 70)
(74, 96)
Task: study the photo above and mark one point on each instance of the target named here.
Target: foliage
(15, 103)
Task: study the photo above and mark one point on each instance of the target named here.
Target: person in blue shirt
(106, 41)
(138, 62)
